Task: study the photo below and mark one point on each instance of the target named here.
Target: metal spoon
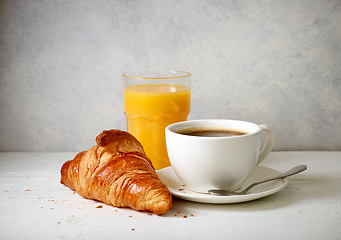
(291, 172)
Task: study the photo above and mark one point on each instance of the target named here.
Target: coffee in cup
(212, 132)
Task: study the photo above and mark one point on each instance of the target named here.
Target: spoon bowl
(291, 172)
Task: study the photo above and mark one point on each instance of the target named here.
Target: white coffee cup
(203, 163)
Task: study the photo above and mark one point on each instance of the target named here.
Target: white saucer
(178, 189)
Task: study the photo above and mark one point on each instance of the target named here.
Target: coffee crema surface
(212, 132)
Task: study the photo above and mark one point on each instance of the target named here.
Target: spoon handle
(291, 172)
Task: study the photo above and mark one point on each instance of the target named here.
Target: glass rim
(186, 74)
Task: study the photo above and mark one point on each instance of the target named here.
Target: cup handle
(270, 140)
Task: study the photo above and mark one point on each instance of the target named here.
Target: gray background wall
(266, 61)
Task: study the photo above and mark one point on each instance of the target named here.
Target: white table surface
(34, 205)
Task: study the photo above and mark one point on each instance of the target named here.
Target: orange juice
(149, 110)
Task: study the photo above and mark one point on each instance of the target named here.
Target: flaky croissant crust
(117, 171)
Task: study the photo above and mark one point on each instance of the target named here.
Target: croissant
(116, 171)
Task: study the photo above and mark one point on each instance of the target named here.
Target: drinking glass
(152, 101)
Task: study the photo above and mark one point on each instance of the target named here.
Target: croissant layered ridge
(116, 171)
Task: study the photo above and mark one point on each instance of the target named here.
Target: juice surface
(149, 110)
